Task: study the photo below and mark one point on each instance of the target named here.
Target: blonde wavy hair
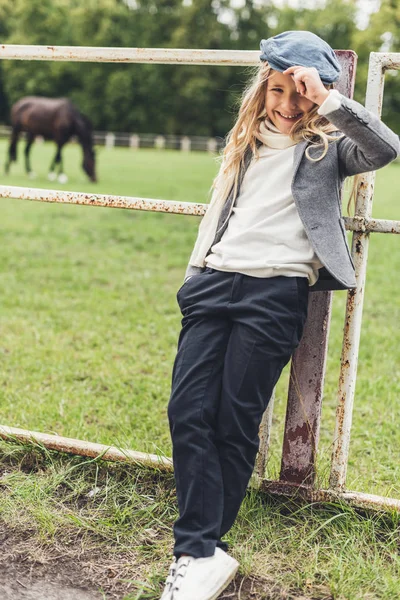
(312, 127)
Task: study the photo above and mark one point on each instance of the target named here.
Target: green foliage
(384, 26)
(334, 22)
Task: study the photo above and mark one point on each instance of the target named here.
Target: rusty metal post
(303, 412)
(309, 361)
(355, 299)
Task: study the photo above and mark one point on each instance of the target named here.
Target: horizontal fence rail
(107, 201)
(361, 224)
(83, 448)
(197, 209)
(162, 463)
(160, 56)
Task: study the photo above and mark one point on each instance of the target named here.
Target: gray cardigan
(367, 145)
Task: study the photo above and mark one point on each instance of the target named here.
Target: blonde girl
(273, 233)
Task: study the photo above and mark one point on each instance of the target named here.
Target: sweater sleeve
(367, 143)
(331, 103)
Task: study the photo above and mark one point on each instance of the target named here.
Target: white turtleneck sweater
(265, 236)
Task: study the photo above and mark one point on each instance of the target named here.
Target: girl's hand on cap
(308, 83)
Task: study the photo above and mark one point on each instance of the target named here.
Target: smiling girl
(272, 233)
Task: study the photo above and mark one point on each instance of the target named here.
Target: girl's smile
(283, 104)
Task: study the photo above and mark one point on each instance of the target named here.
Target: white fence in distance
(184, 143)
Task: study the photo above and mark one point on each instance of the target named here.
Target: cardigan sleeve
(367, 143)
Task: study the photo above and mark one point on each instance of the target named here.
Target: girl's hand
(308, 83)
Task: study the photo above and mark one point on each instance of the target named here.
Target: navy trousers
(238, 332)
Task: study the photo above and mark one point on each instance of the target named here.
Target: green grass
(89, 326)
(288, 551)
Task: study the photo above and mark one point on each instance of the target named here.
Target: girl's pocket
(186, 283)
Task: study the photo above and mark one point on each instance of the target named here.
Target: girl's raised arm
(368, 144)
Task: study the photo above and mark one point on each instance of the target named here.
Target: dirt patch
(81, 569)
(73, 569)
(15, 585)
(255, 588)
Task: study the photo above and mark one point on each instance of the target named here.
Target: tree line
(174, 99)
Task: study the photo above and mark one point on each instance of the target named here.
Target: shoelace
(180, 573)
(171, 577)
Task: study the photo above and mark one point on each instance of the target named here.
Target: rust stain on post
(305, 394)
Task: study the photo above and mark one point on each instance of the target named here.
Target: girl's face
(284, 106)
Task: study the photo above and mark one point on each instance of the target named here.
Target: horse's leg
(12, 149)
(62, 177)
(52, 176)
(29, 141)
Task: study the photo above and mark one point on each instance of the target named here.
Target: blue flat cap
(302, 48)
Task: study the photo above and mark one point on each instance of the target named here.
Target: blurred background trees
(172, 99)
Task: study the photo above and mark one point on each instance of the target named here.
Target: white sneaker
(167, 593)
(203, 578)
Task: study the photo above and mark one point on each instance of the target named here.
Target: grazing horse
(54, 119)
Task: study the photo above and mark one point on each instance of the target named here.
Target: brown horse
(54, 119)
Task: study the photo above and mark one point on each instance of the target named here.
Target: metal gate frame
(300, 444)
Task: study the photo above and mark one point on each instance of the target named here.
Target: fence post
(109, 140)
(134, 141)
(159, 142)
(309, 361)
(212, 145)
(355, 298)
(185, 144)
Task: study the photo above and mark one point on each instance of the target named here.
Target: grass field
(89, 325)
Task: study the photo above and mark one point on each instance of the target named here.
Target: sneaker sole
(225, 584)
